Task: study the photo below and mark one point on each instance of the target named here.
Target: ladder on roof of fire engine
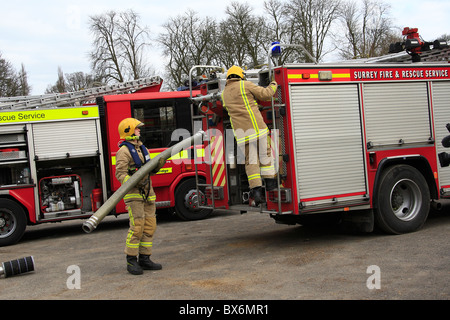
(57, 99)
(432, 55)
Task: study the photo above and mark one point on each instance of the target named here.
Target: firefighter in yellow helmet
(140, 201)
(251, 132)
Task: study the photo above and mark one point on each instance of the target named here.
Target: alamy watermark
(374, 280)
(223, 143)
(74, 280)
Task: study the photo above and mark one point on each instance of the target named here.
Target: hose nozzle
(90, 224)
(18, 266)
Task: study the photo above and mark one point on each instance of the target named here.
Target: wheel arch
(418, 162)
(25, 209)
(14, 211)
(183, 178)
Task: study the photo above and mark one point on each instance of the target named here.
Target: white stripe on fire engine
(217, 150)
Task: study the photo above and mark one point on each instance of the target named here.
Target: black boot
(147, 264)
(133, 265)
(255, 197)
(271, 184)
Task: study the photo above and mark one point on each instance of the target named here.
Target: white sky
(45, 34)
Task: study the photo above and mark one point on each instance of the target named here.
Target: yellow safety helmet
(235, 70)
(127, 127)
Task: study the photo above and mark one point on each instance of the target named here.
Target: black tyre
(187, 201)
(402, 200)
(13, 222)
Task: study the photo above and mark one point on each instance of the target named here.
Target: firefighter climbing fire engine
(359, 138)
(57, 160)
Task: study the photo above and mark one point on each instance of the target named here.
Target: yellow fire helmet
(127, 127)
(235, 70)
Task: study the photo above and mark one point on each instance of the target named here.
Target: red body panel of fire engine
(25, 196)
(292, 76)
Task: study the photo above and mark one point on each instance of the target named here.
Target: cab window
(160, 119)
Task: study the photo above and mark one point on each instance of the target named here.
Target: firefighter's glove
(161, 164)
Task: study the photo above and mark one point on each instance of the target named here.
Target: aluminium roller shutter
(396, 113)
(58, 140)
(329, 158)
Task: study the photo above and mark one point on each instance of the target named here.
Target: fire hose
(92, 223)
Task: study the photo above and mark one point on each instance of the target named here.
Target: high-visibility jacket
(125, 165)
(239, 98)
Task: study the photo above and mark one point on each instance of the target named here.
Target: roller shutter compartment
(396, 113)
(58, 140)
(328, 144)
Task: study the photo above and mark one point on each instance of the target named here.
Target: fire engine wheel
(187, 200)
(403, 200)
(12, 222)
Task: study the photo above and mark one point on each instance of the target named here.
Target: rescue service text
(400, 74)
(12, 117)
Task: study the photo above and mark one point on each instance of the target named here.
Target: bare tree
(230, 51)
(368, 29)
(24, 87)
(119, 46)
(13, 83)
(278, 25)
(106, 55)
(133, 42)
(244, 36)
(77, 81)
(186, 41)
(281, 29)
(249, 29)
(311, 21)
(71, 82)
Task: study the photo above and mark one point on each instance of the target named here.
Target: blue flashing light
(276, 51)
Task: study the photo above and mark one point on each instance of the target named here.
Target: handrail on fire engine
(269, 54)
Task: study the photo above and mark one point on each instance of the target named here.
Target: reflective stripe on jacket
(239, 98)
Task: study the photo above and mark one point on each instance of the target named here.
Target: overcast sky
(45, 34)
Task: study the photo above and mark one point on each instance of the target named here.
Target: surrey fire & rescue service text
(401, 74)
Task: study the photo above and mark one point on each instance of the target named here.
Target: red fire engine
(57, 163)
(358, 138)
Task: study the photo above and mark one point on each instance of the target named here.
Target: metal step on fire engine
(58, 99)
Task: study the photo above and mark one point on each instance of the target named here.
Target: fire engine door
(328, 143)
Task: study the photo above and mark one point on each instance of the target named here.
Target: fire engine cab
(57, 160)
(360, 138)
